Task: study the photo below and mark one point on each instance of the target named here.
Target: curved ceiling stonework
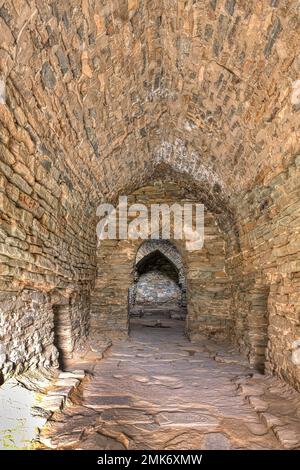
(230, 67)
(104, 91)
(81, 91)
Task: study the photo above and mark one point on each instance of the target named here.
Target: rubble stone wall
(154, 287)
(27, 331)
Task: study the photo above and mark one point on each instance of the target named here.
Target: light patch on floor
(18, 427)
(295, 98)
(2, 92)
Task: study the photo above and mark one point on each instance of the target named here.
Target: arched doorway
(203, 280)
(158, 292)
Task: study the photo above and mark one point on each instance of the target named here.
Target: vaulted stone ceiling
(109, 92)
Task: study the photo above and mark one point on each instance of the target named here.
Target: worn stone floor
(156, 390)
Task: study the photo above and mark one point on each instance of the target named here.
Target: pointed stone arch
(167, 248)
(169, 251)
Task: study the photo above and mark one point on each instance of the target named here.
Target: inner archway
(159, 286)
(199, 273)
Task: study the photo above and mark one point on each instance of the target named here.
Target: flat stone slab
(216, 441)
(190, 420)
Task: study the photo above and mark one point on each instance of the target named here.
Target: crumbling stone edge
(277, 405)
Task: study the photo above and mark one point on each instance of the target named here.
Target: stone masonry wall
(267, 281)
(208, 285)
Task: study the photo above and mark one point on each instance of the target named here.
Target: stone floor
(157, 390)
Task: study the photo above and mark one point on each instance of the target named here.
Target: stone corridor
(147, 108)
(156, 390)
